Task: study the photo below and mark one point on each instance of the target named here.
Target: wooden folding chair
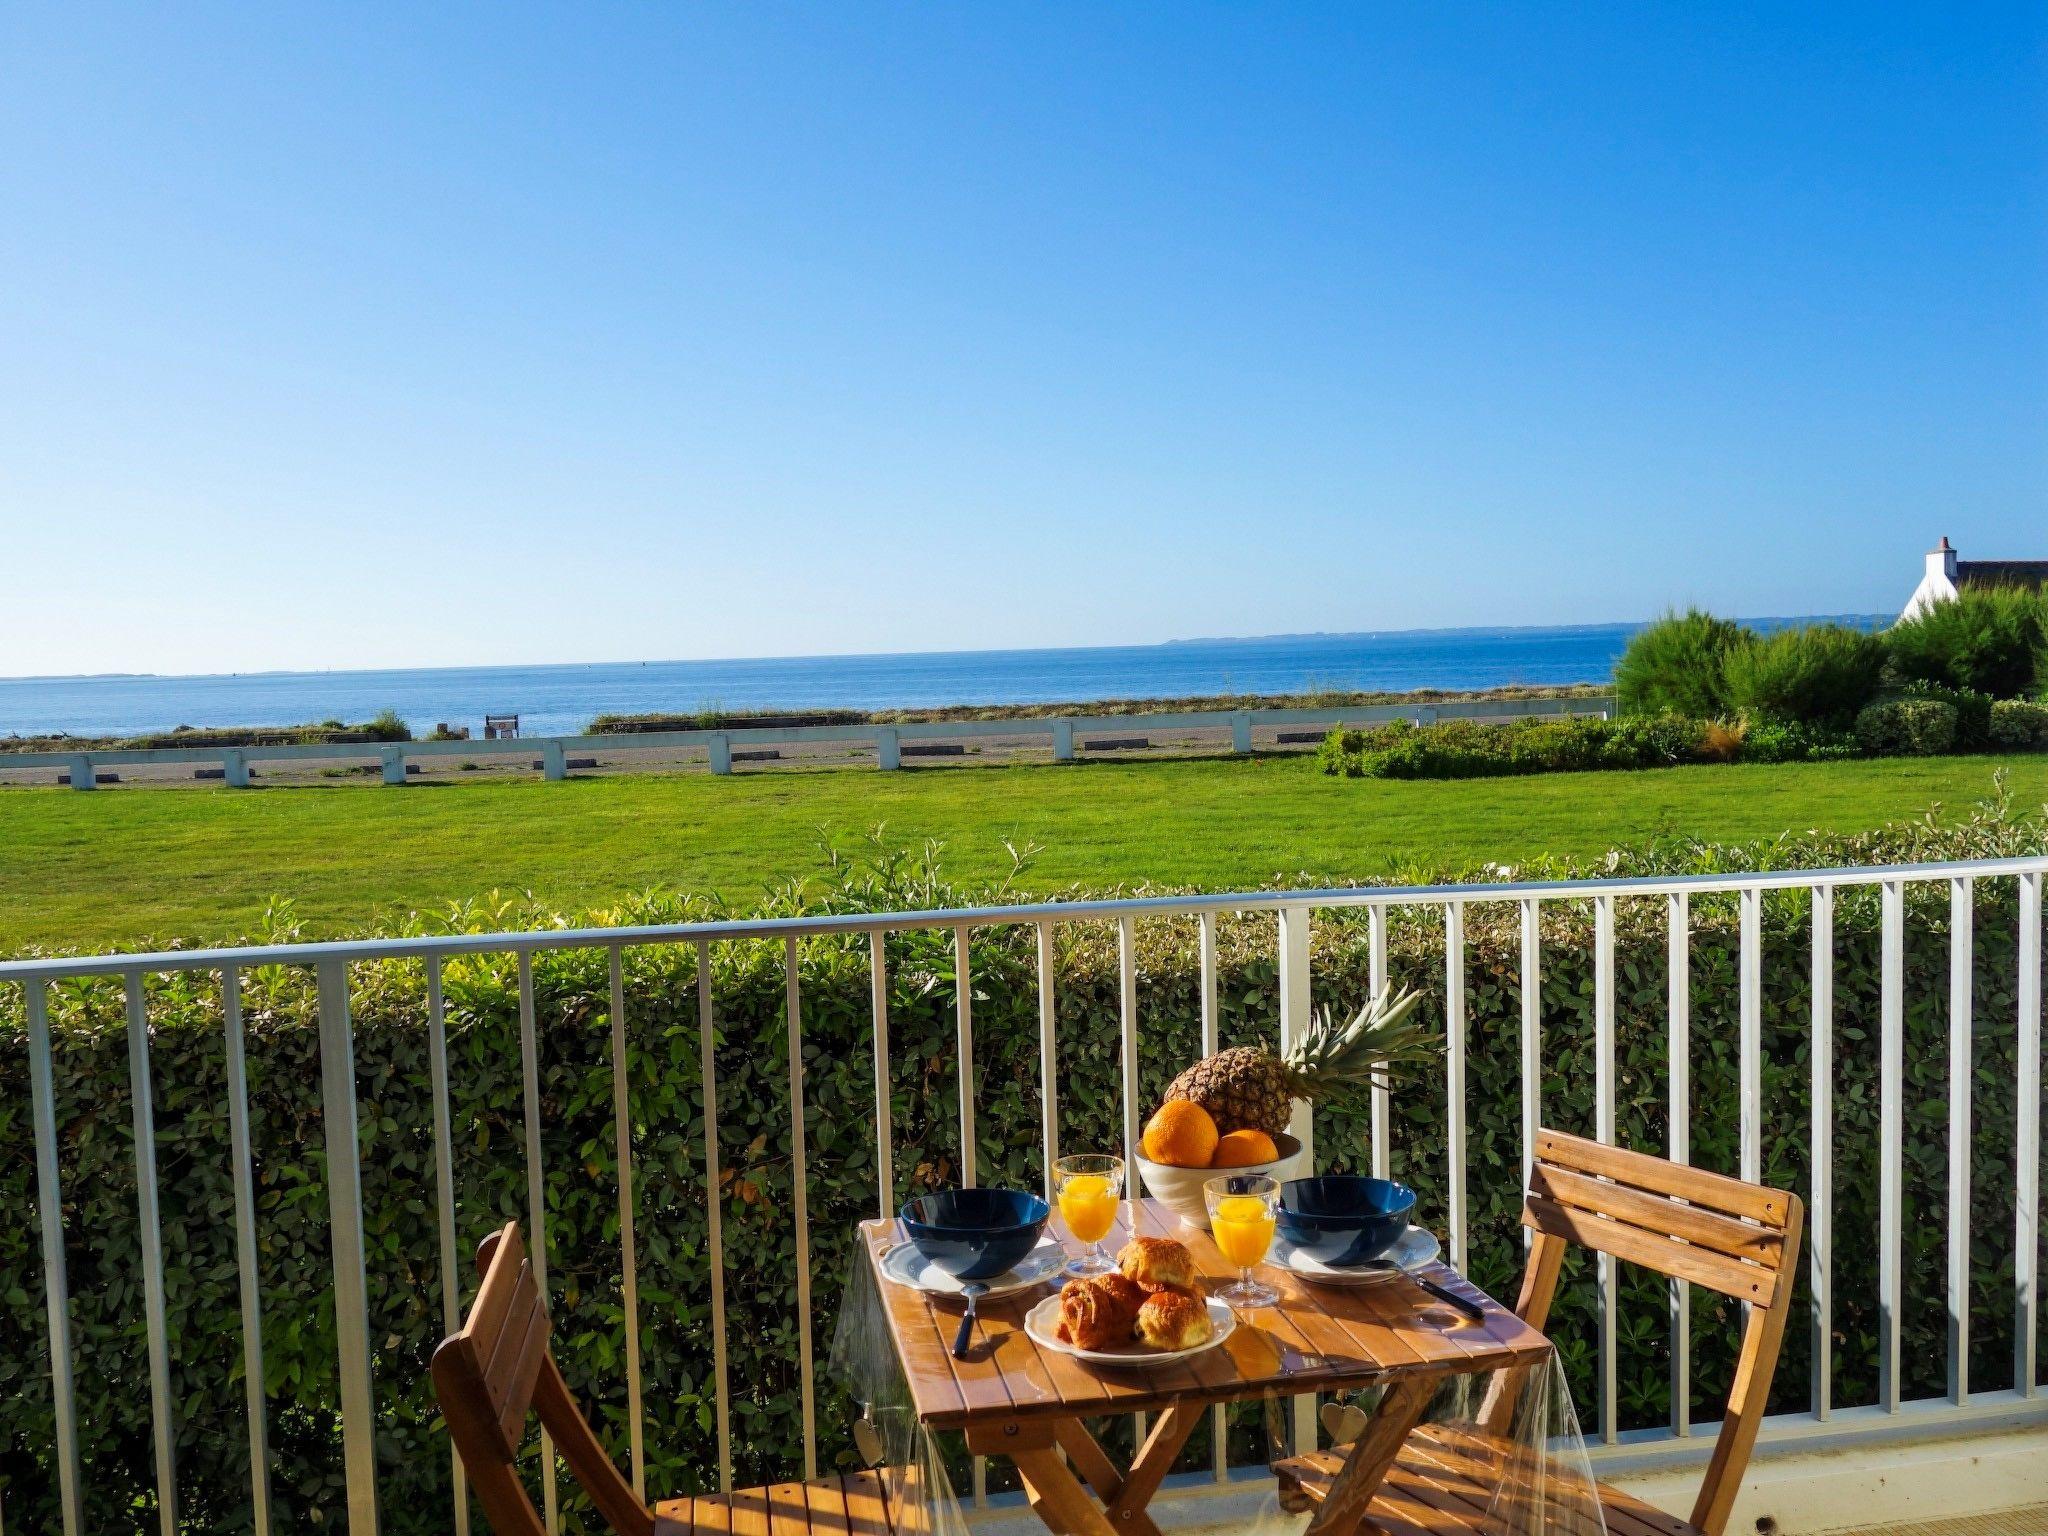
(1736, 1238)
(498, 1366)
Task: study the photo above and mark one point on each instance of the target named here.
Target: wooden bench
(1729, 1236)
(497, 1369)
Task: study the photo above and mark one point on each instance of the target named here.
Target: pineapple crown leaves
(1379, 1046)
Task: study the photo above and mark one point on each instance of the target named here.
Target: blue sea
(561, 699)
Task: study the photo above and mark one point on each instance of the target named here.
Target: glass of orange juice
(1088, 1187)
(1241, 1219)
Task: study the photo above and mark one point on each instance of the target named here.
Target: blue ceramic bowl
(975, 1234)
(1344, 1218)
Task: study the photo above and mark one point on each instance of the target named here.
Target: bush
(1907, 728)
(2018, 725)
(1467, 749)
(1676, 666)
(755, 1182)
(1973, 713)
(1989, 639)
(1774, 741)
(1819, 674)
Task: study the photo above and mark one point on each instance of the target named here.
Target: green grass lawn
(81, 872)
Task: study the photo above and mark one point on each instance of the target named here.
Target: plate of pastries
(1147, 1311)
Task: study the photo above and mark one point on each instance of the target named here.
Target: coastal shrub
(754, 1186)
(1780, 741)
(1815, 674)
(2018, 725)
(386, 727)
(1989, 639)
(1907, 728)
(1677, 666)
(1469, 749)
(1973, 712)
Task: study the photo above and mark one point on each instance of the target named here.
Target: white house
(1946, 576)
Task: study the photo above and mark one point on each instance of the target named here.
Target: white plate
(1412, 1249)
(1042, 1321)
(904, 1265)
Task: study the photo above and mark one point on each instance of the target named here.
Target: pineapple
(1250, 1087)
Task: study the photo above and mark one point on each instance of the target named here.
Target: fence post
(721, 753)
(888, 751)
(1241, 731)
(552, 762)
(394, 765)
(81, 771)
(234, 768)
(1063, 741)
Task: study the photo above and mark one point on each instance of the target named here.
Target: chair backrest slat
(1734, 1237)
(1695, 1224)
(1696, 1186)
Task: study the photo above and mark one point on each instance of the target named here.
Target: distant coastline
(562, 697)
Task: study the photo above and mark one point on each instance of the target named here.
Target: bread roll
(1098, 1312)
(1158, 1263)
(1174, 1320)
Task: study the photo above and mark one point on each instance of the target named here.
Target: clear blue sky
(388, 334)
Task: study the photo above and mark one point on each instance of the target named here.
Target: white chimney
(1941, 560)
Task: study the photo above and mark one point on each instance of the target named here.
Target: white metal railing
(1295, 911)
(886, 741)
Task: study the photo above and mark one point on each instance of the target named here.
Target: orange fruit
(1241, 1149)
(1181, 1135)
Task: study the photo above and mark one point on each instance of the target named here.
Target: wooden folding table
(1016, 1400)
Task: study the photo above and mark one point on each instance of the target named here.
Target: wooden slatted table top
(1317, 1338)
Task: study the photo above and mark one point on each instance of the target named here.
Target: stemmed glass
(1088, 1186)
(1242, 1219)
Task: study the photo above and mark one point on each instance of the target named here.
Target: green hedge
(1471, 749)
(754, 1184)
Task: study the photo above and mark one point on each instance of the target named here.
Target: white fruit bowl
(1180, 1189)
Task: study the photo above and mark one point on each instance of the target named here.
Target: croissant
(1173, 1320)
(1098, 1312)
(1158, 1263)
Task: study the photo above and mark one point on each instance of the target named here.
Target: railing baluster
(150, 1230)
(963, 1046)
(1296, 1000)
(245, 1252)
(1048, 1063)
(1127, 1014)
(1678, 1012)
(963, 1027)
(1820, 1217)
(536, 1204)
(629, 1257)
(1891, 1135)
(1211, 1023)
(2027, 1150)
(878, 1007)
(714, 1204)
(345, 1226)
(56, 1284)
(800, 1187)
(1382, 1097)
(1962, 943)
(1603, 1118)
(1532, 1039)
(444, 1201)
(1749, 1068)
(1454, 1075)
(1219, 1416)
